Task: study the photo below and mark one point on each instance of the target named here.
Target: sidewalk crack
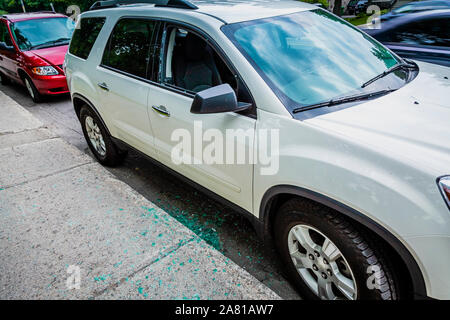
(6, 133)
(45, 176)
(163, 255)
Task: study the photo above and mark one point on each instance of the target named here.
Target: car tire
(4, 79)
(31, 88)
(334, 258)
(99, 140)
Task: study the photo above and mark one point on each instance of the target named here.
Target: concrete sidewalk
(59, 209)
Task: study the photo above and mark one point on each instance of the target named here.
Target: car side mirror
(218, 99)
(5, 47)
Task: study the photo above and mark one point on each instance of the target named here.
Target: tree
(337, 7)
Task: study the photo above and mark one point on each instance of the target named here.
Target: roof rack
(181, 4)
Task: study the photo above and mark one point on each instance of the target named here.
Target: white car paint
(381, 158)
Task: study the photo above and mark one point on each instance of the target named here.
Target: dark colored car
(361, 6)
(351, 6)
(417, 6)
(422, 36)
(32, 51)
(383, 4)
(358, 6)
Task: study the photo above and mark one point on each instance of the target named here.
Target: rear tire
(31, 88)
(334, 258)
(98, 139)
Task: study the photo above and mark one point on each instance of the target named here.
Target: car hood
(54, 55)
(412, 123)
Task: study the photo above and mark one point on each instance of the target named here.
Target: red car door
(8, 52)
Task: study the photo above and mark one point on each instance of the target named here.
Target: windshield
(42, 33)
(312, 56)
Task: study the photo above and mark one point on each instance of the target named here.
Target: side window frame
(152, 46)
(93, 44)
(168, 23)
(5, 27)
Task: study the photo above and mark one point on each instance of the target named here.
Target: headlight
(444, 185)
(45, 71)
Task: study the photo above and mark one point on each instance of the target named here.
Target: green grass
(358, 20)
(3, 12)
(362, 18)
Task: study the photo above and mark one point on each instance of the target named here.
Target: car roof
(14, 17)
(241, 10)
(230, 11)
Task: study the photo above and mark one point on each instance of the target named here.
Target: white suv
(346, 145)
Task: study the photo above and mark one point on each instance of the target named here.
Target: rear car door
(8, 53)
(123, 81)
(197, 66)
(427, 40)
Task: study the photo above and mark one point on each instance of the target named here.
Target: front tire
(98, 139)
(32, 91)
(329, 257)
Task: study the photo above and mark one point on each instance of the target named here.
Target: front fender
(388, 195)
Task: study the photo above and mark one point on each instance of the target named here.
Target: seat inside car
(193, 66)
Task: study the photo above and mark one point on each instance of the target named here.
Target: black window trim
(94, 17)
(106, 47)
(9, 33)
(165, 22)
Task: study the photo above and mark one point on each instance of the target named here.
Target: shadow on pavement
(220, 226)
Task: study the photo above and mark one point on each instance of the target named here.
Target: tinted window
(85, 35)
(4, 34)
(42, 33)
(129, 47)
(427, 33)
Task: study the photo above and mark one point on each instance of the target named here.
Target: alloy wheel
(95, 136)
(321, 264)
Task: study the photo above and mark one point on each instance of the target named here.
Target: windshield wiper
(343, 100)
(51, 43)
(390, 70)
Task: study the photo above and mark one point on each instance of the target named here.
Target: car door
(123, 81)
(227, 173)
(427, 40)
(8, 57)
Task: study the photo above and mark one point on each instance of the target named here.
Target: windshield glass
(310, 57)
(42, 33)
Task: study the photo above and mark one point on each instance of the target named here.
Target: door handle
(161, 110)
(103, 86)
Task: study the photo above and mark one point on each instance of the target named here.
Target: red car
(32, 50)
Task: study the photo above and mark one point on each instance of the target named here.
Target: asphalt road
(218, 225)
